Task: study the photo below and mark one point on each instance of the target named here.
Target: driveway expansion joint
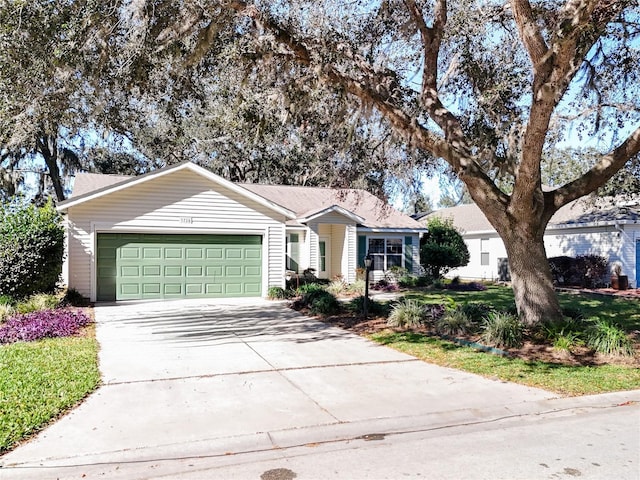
(266, 370)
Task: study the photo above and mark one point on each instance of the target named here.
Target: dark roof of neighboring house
(303, 201)
(469, 218)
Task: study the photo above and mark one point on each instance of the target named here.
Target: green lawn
(563, 379)
(40, 380)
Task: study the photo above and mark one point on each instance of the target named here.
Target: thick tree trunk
(531, 279)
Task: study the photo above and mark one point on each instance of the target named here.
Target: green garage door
(145, 266)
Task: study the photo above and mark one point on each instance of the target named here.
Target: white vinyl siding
(607, 241)
(182, 202)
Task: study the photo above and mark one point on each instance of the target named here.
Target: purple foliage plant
(43, 324)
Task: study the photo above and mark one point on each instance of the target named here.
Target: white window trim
(385, 254)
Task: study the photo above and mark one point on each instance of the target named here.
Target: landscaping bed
(48, 364)
(557, 358)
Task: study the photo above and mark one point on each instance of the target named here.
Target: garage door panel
(151, 253)
(130, 252)
(214, 253)
(173, 289)
(151, 270)
(173, 270)
(151, 288)
(148, 266)
(233, 253)
(193, 271)
(252, 271)
(173, 253)
(214, 271)
(194, 253)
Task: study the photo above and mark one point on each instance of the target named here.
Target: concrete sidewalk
(187, 379)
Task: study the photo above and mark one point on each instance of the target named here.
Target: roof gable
(94, 186)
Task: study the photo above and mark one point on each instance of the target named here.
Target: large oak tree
(486, 86)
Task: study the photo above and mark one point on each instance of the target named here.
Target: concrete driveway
(219, 378)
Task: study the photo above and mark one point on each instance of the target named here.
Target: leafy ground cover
(48, 363)
(536, 361)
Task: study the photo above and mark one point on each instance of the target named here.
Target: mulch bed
(530, 350)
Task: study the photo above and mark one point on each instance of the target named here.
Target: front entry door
(324, 257)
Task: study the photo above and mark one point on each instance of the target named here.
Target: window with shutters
(386, 253)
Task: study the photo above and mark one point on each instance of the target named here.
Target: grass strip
(562, 379)
(40, 380)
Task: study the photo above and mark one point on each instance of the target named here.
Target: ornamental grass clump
(502, 329)
(407, 313)
(605, 337)
(43, 324)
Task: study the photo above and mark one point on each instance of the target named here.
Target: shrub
(583, 270)
(476, 311)
(455, 322)
(37, 302)
(442, 247)
(356, 306)
(31, 249)
(42, 324)
(324, 304)
(432, 312)
(406, 313)
(276, 293)
(337, 287)
(591, 269)
(566, 333)
(606, 337)
(408, 281)
(385, 286)
(466, 287)
(503, 329)
(309, 287)
(6, 300)
(74, 298)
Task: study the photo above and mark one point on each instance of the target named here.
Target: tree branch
(598, 175)
(530, 33)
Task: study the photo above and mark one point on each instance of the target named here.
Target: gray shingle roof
(469, 218)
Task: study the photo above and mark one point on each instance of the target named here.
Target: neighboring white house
(184, 232)
(579, 228)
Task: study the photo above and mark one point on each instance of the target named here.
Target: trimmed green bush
(606, 337)
(406, 313)
(442, 248)
(74, 298)
(276, 293)
(31, 249)
(356, 306)
(502, 329)
(309, 288)
(324, 304)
